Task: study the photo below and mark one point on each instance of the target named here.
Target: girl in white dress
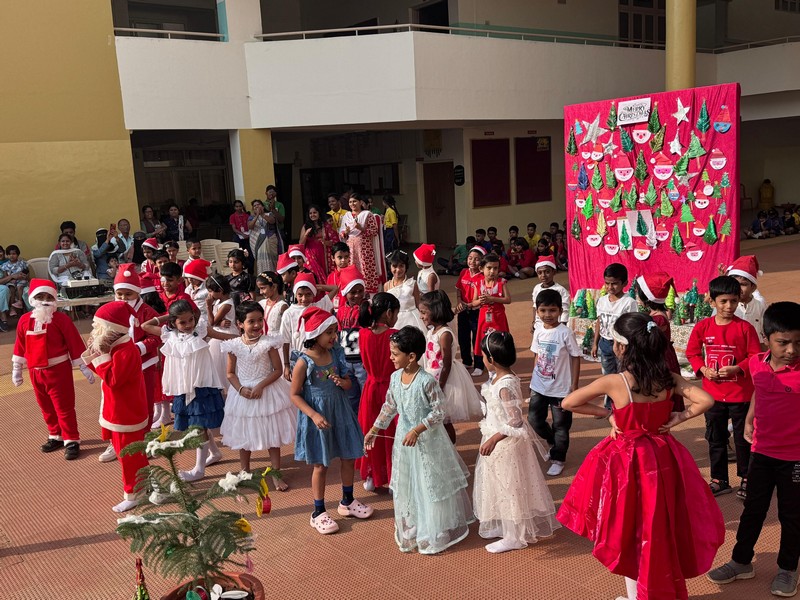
(510, 496)
(258, 413)
(270, 285)
(221, 318)
(427, 279)
(405, 290)
(461, 400)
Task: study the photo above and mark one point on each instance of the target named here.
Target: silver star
(680, 114)
(593, 130)
(610, 146)
(684, 179)
(675, 145)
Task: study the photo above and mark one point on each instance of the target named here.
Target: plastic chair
(222, 250)
(38, 268)
(207, 249)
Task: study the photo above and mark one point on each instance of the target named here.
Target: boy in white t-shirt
(546, 270)
(556, 369)
(609, 308)
(751, 303)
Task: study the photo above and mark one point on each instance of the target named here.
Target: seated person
(458, 260)
(491, 233)
(522, 261)
(775, 222)
(17, 269)
(68, 262)
(70, 228)
(761, 227)
(560, 250)
(789, 222)
(503, 270)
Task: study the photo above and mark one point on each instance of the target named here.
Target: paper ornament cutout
(616, 201)
(580, 199)
(622, 167)
(676, 243)
(602, 228)
(666, 209)
(572, 184)
(594, 240)
(609, 146)
(631, 197)
(597, 180)
(725, 230)
(597, 152)
(653, 121)
(650, 238)
(611, 249)
(680, 114)
(641, 168)
(625, 140)
(624, 236)
(662, 233)
(696, 149)
(593, 130)
(672, 192)
(651, 195)
(663, 168)
(641, 251)
(693, 252)
(583, 178)
(675, 146)
(717, 159)
(708, 187)
(611, 181)
(710, 236)
(722, 123)
(588, 207)
(578, 128)
(586, 152)
(657, 143)
(703, 122)
(604, 198)
(572, 147)
(611, 122)
(575, 230)
(698, 230)
(641, 134)
(701, 200)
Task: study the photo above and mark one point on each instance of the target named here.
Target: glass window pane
(215, 190)
(662, 30)
(637, 28)
(648, 28)
(623, 26)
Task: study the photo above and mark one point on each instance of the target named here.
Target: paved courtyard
(57, 537)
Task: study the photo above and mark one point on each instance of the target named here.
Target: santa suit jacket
(147, 344)
(54, 343)
(124, 403)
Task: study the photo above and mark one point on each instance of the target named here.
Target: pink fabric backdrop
(597, 146)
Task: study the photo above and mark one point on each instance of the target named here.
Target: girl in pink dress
(639, 496)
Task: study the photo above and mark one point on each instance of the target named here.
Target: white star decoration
(593, 130)
(684, 179)
(609, 147)
(680, 114)
(675, 145)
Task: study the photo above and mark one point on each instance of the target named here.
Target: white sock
(199, 470)
(630, 585)
(125, 506)
(505, 545)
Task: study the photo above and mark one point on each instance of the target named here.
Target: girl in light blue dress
(432, 510)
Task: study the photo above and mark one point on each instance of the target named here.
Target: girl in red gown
(639, 495)
(491, 296)
(376, 319)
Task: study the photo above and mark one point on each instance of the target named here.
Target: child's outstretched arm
(298, 380)
(699, 402)
(388, 412)
(153, 326)
(219, 335)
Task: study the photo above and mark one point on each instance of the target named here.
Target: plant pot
(243, 581)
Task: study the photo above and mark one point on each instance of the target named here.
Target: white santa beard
(102, 337)
(42, 312)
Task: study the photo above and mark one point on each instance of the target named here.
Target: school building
(452, 106)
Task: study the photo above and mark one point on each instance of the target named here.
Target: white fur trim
(113, 326)
(127, 286)
(46, 289)
(546, 263)
(305, 284)
(142, 348)
(310, 335)
(646, 289)
(352, 284)
(740, 273)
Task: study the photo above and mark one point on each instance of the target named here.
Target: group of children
(285, 368)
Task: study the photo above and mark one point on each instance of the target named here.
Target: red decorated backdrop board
(682, 159)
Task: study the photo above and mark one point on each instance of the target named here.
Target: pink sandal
(324, 524)
(355, 509)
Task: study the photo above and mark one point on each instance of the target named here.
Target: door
(283, 185)
(440, 204)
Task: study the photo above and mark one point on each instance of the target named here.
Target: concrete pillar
(681, 44)
(239, 20)
(252, 162)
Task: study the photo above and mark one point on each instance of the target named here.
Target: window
(644, 22)
(491, 173)
(792, 6)
(532, 162)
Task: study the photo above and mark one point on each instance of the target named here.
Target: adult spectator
(360, 230)
(238, 222)
(317, 236)
(152, 226)
(276, 206)
(265, 241)
(69, 228)
(336, 211)
(67, 261)
(4, 305)
(104, 249)
(178, 228)
(124, 241)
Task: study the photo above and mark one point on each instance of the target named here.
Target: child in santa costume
(195, 274)
(50, 345)
(124, 412)
(751, 303)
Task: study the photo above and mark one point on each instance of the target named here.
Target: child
(195, 274)
(511, 497)
(653, 289)
(150, 295)
(480, 240)
(327, 427)
(560, 250)
(18, 270)
(522, 261)
(461, 399)
(532, 237)
(457, 260)
(149, 248)
(292, 336)
(353, 288)
(467, 314)
(491, 234)
(491, 294)
(772, 429)
(391, 228)
(161, 258)
(49, 344)
(513, 234)
(502, 270)
(171, 248)
(377, 320)
(113, 267)
(270, 285)
(751, 304)
(556, 371)
(195, 250)
(241, 284)
(221, 317)
(287, 269)
(258, 413)
(609, 308)
(341, 259)
(718, 351)
(125, 414)
(427, 279)
(189, 376)
(405, 290)
(172, 286)
(431, 506)
(639, 496)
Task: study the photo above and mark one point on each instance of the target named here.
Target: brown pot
(243, 581)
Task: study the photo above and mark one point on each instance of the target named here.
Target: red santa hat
(598, 147)
(128, 279)
(661, 160)
(349, 278)
(197, 269)
(285, 263)
(655, 286)
(42, 286)
(297, 250)
(314, 321)
(117, 316)
(305, 280)
(640, 127)
(747, 267)
(148, 283)
(479, 249)
(621, 161)
(546, 261)
(424, 254)
(151, 243)
(724, 115)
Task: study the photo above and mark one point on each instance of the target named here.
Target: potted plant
(191, 540)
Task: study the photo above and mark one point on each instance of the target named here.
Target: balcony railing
(170, 34)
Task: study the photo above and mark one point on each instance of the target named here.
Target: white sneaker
(477, 372)
(108, 454)
(556, 467)
(369, 485)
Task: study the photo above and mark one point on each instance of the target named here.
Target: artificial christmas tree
(710, 236)
(591, 309)
(588, 340)
(572, 147)
(597, 180)
(572, 310)
(641, 168)
(611, 122)
(625, 140)
(580, 303)
(676, 243)
(611, 181)
(670, 301)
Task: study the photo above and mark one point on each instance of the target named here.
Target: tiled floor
(57, 537)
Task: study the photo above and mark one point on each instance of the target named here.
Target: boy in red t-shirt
(772, 427)
(341, 259)
(467, 315)
(172, 288)
(718, 350)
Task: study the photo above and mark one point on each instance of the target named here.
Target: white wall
(761, 70)
(575, 16)
(753, 20)
(182, 84)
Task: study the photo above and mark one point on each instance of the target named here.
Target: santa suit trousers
(132, 462)
(55, 393)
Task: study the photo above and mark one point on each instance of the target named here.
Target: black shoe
(4, 326)
(52, 445)
(72, 450)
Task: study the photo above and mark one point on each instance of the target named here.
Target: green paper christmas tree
(687, 216)
(632, 197)
(670, 301)
(602, 227)
(653, 123)
(710, 236)
(651, 195)
(657, 141)
(611, 181)
(616, 201)
(703, 122)
(588, 208)
(726, 182)
(717, 193)
(573, 312)
(676, 313)
(624, 237)
(682, 166)
(572, 147)
(583, 178)
(588, 339)
(641, 226)
(666, 207)
(597, 180)
(591, 310)
(704, 177)
(676, 243)
(723, 209)
(690, 197)
(726, 229)
(625, 140)
(641, 167)
(575, 230)
(695, 149)
(611, 122)
(580, 303)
